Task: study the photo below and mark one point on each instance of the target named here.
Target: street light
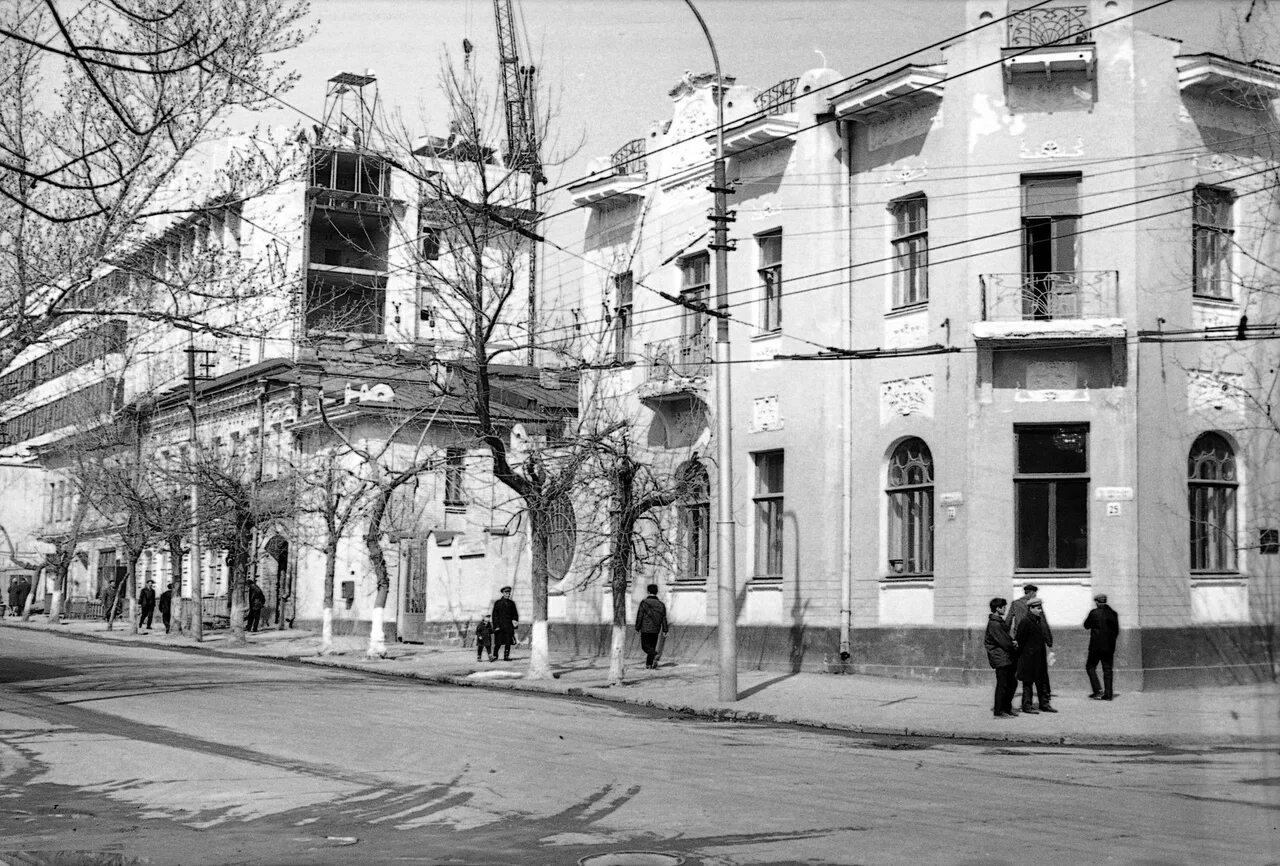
(726, 582)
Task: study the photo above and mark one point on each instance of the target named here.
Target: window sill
(907, 578)
(1214, 301)
(455, 509)
(1217, 577)
(906, 309)
(766, 580)
(760, 336)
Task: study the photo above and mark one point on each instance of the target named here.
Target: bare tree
(107, 112)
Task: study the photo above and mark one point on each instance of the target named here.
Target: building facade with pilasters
(999, 317)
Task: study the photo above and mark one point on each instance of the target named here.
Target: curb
(718, 714)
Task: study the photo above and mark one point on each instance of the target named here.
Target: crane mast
(522, 136)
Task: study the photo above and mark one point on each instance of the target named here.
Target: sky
(608, 64)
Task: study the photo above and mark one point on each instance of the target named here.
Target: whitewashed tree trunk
(326, 631)
(55, 605)
(617, 646)
(377, 640)
(539, 652)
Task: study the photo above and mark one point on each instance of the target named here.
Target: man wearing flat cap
(1034, 640)
(505, 619)
(1103, 625)
(1018, 609)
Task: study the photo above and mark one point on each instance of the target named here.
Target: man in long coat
(505, 619)
(1103, 625)
(1034, 640)
(651, 621)
(147, 603)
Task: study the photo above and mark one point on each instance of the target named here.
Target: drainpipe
(846, 449)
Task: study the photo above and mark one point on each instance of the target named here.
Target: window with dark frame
(1051, 497)
(1211, 500)
(910, 496)
(768, 514)
(430, 243)
(695, 289)
(1211, 230)
(694, 522)
(1050, 245)
(770, 271)
(454, 466)
(622, 293)
(910, 251)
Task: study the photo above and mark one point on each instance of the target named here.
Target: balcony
(678, 367)
(897, 92)
(773, 120)
(623, 180)
(1064, 305)
(1049, 40)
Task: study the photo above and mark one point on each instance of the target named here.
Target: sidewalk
(861, 704)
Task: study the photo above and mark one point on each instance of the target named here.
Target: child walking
(484, 638)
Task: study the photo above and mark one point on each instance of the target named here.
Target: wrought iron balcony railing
(629, 160)
(777, 99)
(1050, 296)
(679, 358)
(1054, 25)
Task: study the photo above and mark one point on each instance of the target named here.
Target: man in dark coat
(257, 601)
(147, 604)
(1103, 625)
(166, 605)
(24, 592)
(13, 595)
(651, 621)
(1034, 640)
(999, 646)
(1018, 610)
(505, 620)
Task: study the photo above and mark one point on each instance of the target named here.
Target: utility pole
(726, 572)
(197, 577)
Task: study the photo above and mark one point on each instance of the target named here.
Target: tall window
(1050, 252)
(695, 522)
(430, 243)
(1211, 498)
(910, 492)
(771, 278)
(768, 509)
(454, 466)
(622, 293)
(1051, 497)
(695, 288)
(910, 251)
(1211, 242)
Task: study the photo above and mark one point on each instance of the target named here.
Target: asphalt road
(116, 754)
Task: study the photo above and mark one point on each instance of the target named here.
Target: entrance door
(413, 606)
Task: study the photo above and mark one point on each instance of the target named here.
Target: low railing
(629, 160)
(1055, 25)
(777, 99)
(1050, 296)
(679, 358)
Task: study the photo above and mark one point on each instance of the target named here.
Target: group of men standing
(19, 589)
(1019, 646)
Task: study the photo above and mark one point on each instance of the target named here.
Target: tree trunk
(373, 546)
(539, 647)
(31, 597)
(326, 629)
(131, 587)
(330, 570)
(617, 650)
(176, 606)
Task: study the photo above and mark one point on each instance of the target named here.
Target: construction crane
(522, 135)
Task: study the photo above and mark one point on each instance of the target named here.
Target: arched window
(1211, 499)
(910, 495)
(562, 537)
(694, 521)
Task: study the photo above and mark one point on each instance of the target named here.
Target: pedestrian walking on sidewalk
(1000, 654)
(166, 605)
(484, 638)
(1034, 641)
(13, 596)
(505, 619)
(147, 604)
(651, 622)
(1103, 625)
(257, 601)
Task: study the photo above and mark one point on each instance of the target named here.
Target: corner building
(1003, 318)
